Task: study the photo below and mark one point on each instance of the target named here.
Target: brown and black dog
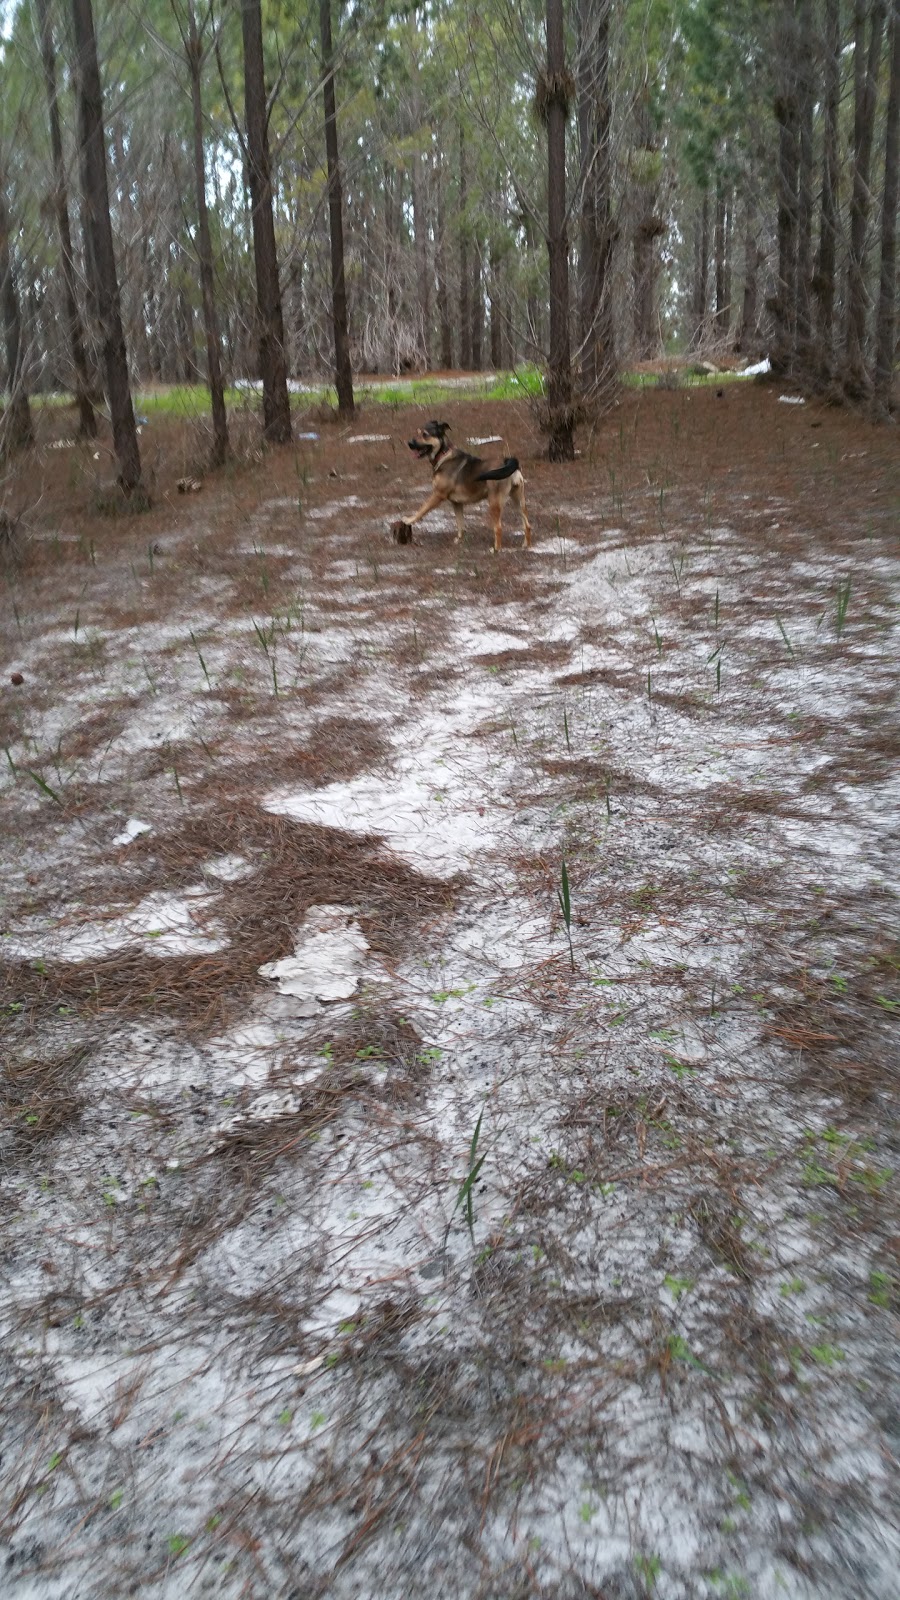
(465, 480)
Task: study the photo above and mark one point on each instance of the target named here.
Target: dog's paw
(401, 532)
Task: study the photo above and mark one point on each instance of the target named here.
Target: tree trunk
(828, 232)
(753, 258)
(535, 332)
(787, 117)
(194, 53)
(343, 375)
(272, 363)
(477, 309)
(16, 429)
(701, 269)
(886, 320)
(465, 328)
(647, 230)
(587, 243)
(87, 421)
(806, 87)
(598, 360)
(496, 313)
(95, 189)
(420, 240)
(443, 295)
(865, 84)
(723, 286)
(556, 88)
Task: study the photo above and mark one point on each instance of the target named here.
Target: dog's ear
(438, 429)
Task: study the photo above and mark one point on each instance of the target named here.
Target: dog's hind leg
(458, 513)
(517, 493)
(495, 508)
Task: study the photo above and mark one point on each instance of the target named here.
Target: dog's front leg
(458, 513)
(431, 504)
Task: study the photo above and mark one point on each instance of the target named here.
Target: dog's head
(430, 440)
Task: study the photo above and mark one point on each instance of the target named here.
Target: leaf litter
(245, 1309)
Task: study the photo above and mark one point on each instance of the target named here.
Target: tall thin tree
(343, 373)
(87, 421)
(787, 116)
(886, 317)
(596, 241)
(866, 58)
(193, 32)
(272, 360)
(826, 259)
(16, 429)
(101, 255)
(554, 94)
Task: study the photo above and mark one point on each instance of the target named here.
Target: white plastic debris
(368, 438)
(327, 960)
(791, 400)
(757, 370)
(489, 438)
(132, 829)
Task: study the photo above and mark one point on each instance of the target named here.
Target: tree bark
(828, 230)
(477, 309)
(701, 269)
(194, 53)
(723, 286)
(598, 361)
(343, 374)
(443, 295)
(806, 87)
(87, 421)
(420, 243)
(647, 230)
(95, 190)
(465, 327)
(16, 428)
(496, 312)
(787, 117)
(886, 319)
(560, 411)
(272, 362)
(753, 258)
(865, 85)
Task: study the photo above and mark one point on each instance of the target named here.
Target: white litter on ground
(791, 400)
(162, 924)
(132, 829)
(327, 960)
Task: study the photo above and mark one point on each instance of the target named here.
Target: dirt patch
(555, 1249)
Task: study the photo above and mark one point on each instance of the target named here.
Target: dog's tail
(509, 466)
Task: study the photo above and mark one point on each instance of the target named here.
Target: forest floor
(259, 1334)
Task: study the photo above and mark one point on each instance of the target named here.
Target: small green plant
(200, 659)
(677, 1286)
(648, 1569)
(464, 1193)
(565, 906)
(790, 647)
(880, 1288)
(177, 1543)
(841, 605)
(44, 786)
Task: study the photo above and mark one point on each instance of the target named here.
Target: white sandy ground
(342, 1392)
